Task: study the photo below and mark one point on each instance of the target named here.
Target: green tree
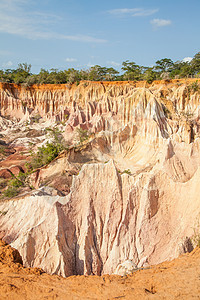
(43, 76)
(195, 63)
(150, 75)
(72, 75)
(132, 71)
(164, 65)
(111, 74)
(96, 73)
(21, 73)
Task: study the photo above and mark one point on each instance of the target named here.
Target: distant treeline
(163, 69)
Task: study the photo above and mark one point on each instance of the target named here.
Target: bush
(49, 152)
(10, 192)
(44, 155)
(2, 150)
(195, 86)
(36, 119)
(83, 135)
(128, 171)
(15, 183)
(3, 183)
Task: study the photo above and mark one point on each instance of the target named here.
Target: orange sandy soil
(53, 87)
(178, 279)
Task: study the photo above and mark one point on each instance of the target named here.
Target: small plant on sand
(128, 171)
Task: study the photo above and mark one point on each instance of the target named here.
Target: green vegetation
(128, 171)
(44, 155)
(10, 192)
(193, 87)
(2, 150)
(14, 185)
(163, 69)
(35, 119)
(48, 152)
(3, 183)
(83, 135)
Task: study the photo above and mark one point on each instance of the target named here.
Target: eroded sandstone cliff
(135, 188)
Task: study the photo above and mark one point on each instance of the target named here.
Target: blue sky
(77, 33)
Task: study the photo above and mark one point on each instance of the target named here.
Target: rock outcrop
(102, 223)
(135, 188)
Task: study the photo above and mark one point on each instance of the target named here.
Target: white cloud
(113, 63)
(17, 18)
(187, 59)
(134, 12)
(79, 38)
(70, 60)
(7, 64)
(160, 22)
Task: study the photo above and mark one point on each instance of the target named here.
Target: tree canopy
(163, 69)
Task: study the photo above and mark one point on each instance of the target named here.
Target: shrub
(10, 192)
(195, 86)
(36, 119)
(44, 155)
(49, 152)
(3, 183)
(15, 183)
(2, 150)
(128, 171)
(83, 135)
(66, 117)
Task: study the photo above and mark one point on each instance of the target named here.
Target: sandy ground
(178, 279)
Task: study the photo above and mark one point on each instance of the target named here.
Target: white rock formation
(102, 223)
(144, 213)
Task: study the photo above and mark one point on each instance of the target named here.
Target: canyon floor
(177, 279)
